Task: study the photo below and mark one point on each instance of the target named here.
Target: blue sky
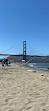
(24, 20)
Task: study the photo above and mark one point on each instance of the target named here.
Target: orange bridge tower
(24, 50)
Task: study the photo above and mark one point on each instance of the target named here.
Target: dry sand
(23, 89)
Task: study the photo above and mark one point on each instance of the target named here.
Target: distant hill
(29, 58)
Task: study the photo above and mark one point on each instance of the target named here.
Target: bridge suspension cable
(13, 48)
(34, 51)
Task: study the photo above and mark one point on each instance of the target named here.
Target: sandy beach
(23, 89)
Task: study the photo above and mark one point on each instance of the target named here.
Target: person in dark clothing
(6, 62)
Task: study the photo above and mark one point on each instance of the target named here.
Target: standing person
(6, 61)
(3, 62)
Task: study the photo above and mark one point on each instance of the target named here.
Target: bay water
(43, 66)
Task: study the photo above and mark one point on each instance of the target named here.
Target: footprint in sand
(44, 109)
(21, 109)
(29, 101)
(6, 100)
(28, 108)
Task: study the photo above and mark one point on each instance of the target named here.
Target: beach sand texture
(23, 89)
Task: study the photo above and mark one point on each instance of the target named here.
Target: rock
(42, 75)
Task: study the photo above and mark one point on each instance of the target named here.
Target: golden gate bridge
(24, 53)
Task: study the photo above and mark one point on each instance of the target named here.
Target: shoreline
(37, 68)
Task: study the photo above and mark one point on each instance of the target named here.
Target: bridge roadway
(20, 55)
(10, 54)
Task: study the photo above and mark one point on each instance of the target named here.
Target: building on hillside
(11, 59)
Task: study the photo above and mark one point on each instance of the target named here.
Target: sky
(22, 20)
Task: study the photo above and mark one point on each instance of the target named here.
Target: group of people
(5, 62)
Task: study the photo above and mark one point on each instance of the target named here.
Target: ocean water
(43, 66)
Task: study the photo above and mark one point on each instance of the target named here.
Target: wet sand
(23, 89)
